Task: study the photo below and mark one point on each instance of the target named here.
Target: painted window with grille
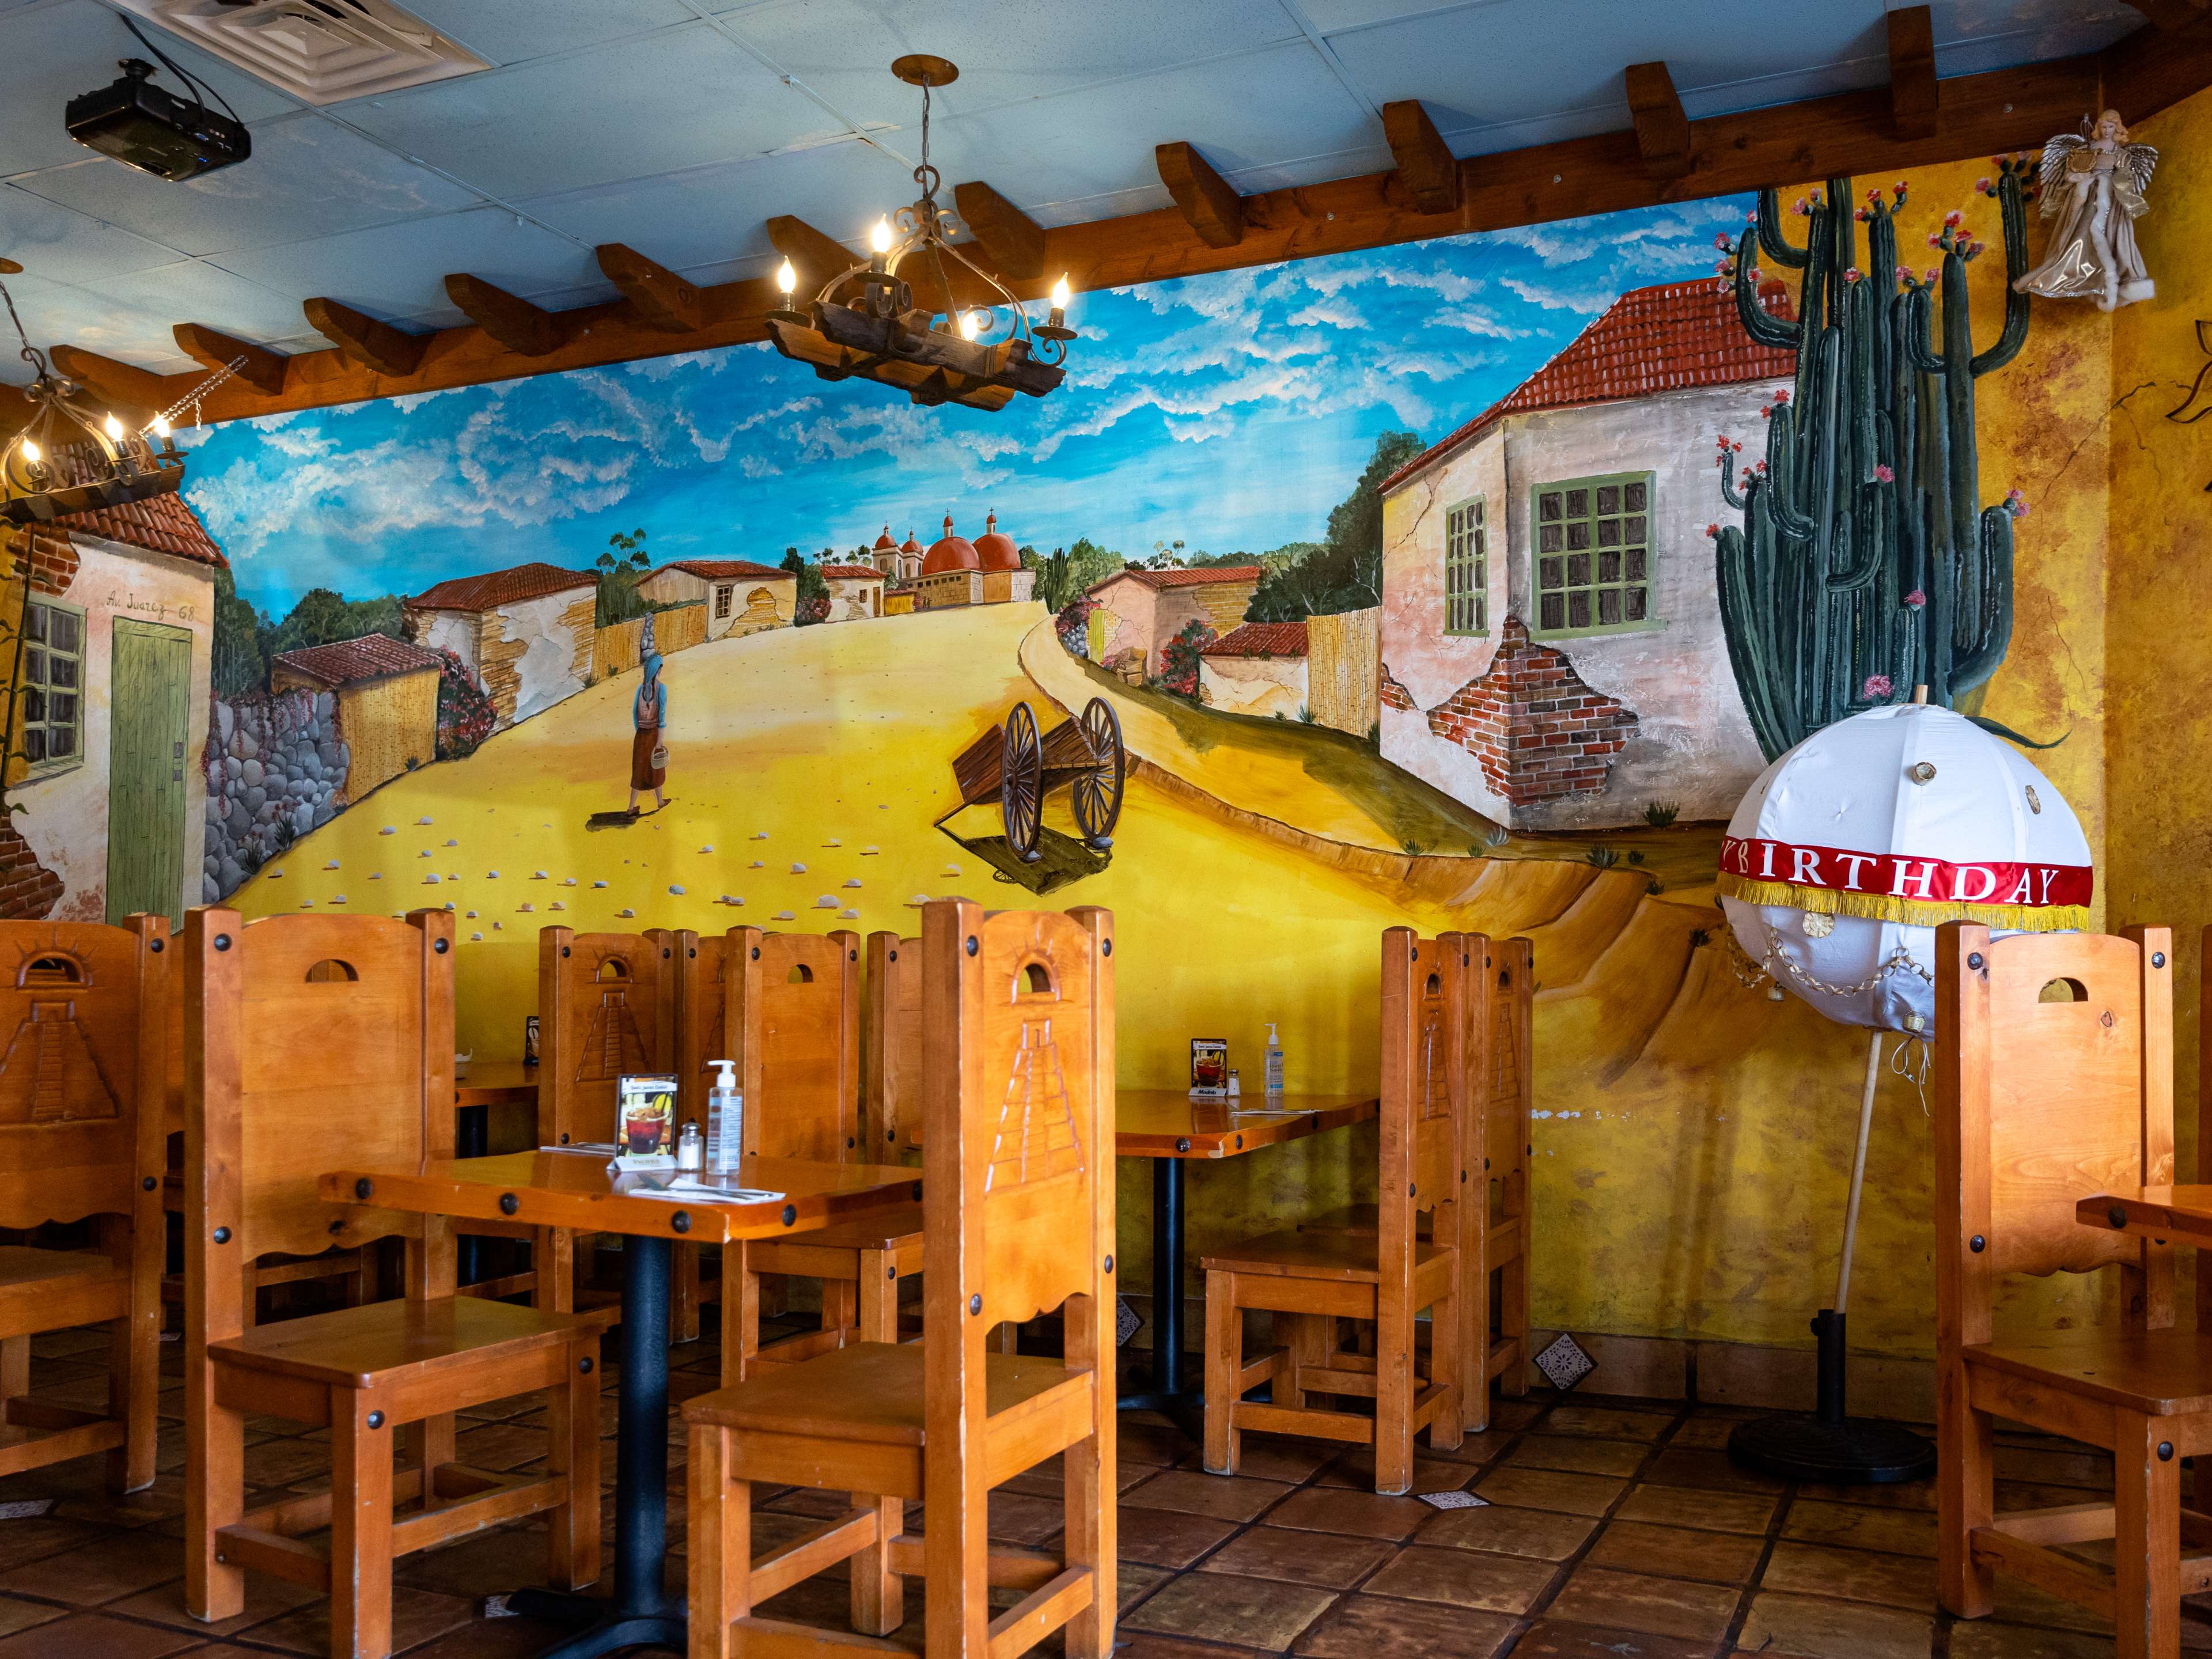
(1593, 555)
(1466, 568)
(722, 596)
(53, 722)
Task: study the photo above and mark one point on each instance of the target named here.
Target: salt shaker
(690, 1148)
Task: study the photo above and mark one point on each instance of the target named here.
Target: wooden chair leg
(1088, 1514)
(738, 1357)
(1394, 1393)
(1448, 1365)
(1225, 1358)
(1475, 1396)
(720, 1543)
(15, 1370)
(879, 1594)
(249, 1294)
(2146, 1538)
(839, 1308)
(134, 1383)
(1513, 1314)
(878, 1298)
(574, 1424)
(554, 1257)
(361, 1529)
(362, 1289)
(1966, 1495)
(215, 1496)
(684, 1295)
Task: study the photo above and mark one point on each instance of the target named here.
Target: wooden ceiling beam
(1663, 129)
(378, 347)
(815, 255)
(1014, 242)
(657, 297)
(133, 395)
(2170, 14)
(1426, 167)
(1916, 96)
(1209, 202)
(1847, 133)
(526, 330)
(263, 369)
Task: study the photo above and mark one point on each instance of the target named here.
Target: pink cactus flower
(1760, 468)
(1713, 529)
(1877, 685)
(1935, 238)
(1904, 273)
(1751, 218)
(1916, 598)
(1721, 242)
(1802, 206)
(1932, 274)
(1736, 448)
(1860, 215)
(1766, 413)
(1757, 275)
(1952, 218)
(1899, 187)
(1781, 398)
(2018, 503)
(1851, 275)
(1983, 186)
(1884, 475)
(1874, 195)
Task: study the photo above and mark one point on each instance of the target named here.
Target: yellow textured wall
(388, 725)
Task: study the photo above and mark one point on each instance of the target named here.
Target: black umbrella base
(1850, 1451)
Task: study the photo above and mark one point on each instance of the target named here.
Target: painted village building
(1140, 611)
(525, 633)
(900, 562)
(741, 596)
(386, 697)
(117, 650)
(988, 571)
(856, 592)
(1552, 649)
(1257, 668)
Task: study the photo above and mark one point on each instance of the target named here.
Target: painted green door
(149, 706)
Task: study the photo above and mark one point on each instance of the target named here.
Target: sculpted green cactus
(1865, 565)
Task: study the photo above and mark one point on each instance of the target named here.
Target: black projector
(143, 126)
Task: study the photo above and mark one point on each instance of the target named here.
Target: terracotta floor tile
(1465, 1578)
(1330, 1560)
(1226, 1497)
(492, 1562)
(480, 1638)
(288, 1463)
(1544, 1489)
(1707, 1471)
(1168, 1538)
(1017, 1518)
(2081, 1467)
(84, 1635)
(1814, 1627)
(1539, 1535)
(117, 1564)
(1256, 1613)
(1553, 1639)
(35, 1537)
(416, 1617)
(266, 1598)
(1980, 1638)
(1607, 1422)
(1136, 1644)
(1156, 1443)
(1900, 1495)
(17, 1615)
(1377, 1627)
(1705, 1433)
(1860, 1525)
(1659, 1607)
(499, 1447)
(1430, 1472)
(1513, 1414)
(1340, 1509)
(1714, 1558)
(1577, 1454)
(2020, 1603)
(1893, 1581)
(1279, 1457)
(1132, 1582)
(1706, 1509)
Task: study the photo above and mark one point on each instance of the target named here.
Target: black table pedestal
(471, 1138)
(1168, 1392)
(642, 1613)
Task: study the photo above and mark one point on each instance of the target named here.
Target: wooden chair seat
(896, 1230)
(368, 1348)
(48, 1289)
(1310, 1255)
(2159, 1373)
(1361, 1220)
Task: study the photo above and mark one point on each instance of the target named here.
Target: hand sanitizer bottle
(1274, 1061)
(725, 1120)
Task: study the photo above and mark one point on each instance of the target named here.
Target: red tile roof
(852, 572)
(495, 588)
(1206, 576)
(717, 569)
(348, 662)
(1649, 340)
(160, 524)
(1260, 640)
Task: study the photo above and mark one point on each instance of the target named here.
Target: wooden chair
(606, 1008)
(295, 1070)
(81, 1114)
(1309, 1280)
(1018, 1096)
(1504, 1076)
(891, 1056)
(2039, 1104)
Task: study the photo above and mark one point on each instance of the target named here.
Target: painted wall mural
(1324, 597)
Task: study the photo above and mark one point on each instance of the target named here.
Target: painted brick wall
(1539, 732)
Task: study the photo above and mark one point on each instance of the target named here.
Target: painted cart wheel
(1096, 795)
(1021, 783)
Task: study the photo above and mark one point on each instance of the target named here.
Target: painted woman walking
(648, 755)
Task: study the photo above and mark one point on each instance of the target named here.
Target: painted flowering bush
(465, 715)
(1179, 658)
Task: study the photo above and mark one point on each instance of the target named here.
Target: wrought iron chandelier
(866, 321)
(69, 457)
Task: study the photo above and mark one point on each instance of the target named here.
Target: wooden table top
(2183, 1214)
(1169, 1123)
(496, 1083)
(573, 1190)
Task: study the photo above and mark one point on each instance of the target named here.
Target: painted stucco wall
(457, 631)
(546, 668)
(1253, 686)
(854, 599)
(64, 814)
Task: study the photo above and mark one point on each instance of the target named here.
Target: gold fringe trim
(1882, 907)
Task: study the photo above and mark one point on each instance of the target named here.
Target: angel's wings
(2141, 160)
(2055, 153)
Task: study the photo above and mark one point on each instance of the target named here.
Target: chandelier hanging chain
(30, 354)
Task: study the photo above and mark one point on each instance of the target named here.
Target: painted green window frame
(1590, 563)
(51, 689)
(1466, 568)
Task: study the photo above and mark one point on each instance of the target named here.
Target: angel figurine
(2092, 184)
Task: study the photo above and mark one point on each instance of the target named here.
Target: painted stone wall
(274, 768)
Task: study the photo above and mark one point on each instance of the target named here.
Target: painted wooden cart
(1012, 765)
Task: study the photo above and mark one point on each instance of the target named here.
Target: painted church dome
(951, 553)
(997, 552)
(885, 544)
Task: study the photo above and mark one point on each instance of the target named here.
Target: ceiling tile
(55, 312)
(636, 107)
(1972, 36)
(399, 270)
(513, 31)
(308, 176)
(55, 52)
(51, 242)
(193, 291)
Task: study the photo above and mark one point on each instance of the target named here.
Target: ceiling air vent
(322, 51)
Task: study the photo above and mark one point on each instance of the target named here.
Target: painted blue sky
(1230, 412)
